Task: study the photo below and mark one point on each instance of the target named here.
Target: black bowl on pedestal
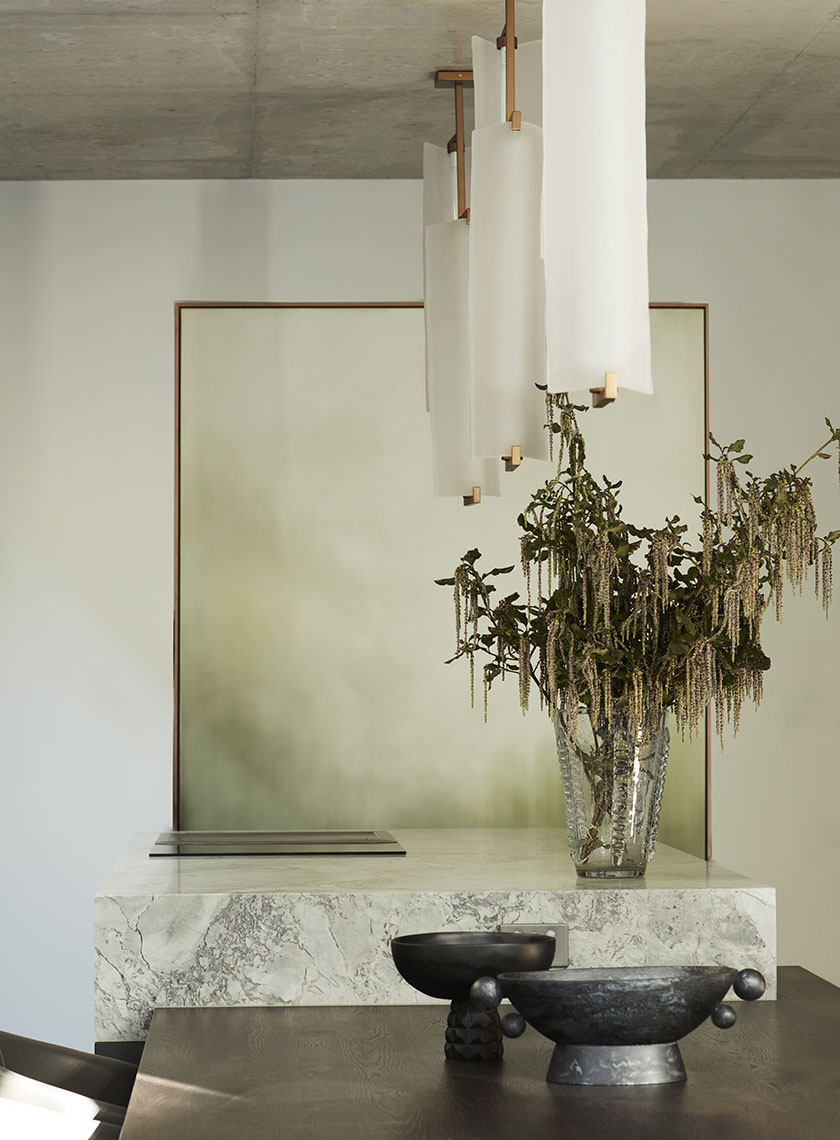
(620, 1026)
(445, 965)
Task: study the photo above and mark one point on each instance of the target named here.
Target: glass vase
(613, 787)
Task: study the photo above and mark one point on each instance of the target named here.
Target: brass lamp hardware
(508, 37)
(450, 75)
(456, 143)
(459, 149)
(603, 396)
(513, 460)
(474, 499)
(501, 41)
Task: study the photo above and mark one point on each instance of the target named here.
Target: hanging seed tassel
(826, 578)
(526, 570)
(551, 664)
(708, 542)
(524, 673)
(815, 559)
(753, 513)
(549, 417)
(458, 593)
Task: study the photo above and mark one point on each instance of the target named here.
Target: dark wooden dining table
(378, 1073)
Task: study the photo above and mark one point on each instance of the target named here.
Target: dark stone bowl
(645, 1005)
(445, 965)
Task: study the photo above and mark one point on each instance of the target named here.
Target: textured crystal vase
(613, 788)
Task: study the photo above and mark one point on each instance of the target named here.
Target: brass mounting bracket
(513, 460)
(501, 41)
(603, 396)
(474, 499)
(453, 75)
(457, 143)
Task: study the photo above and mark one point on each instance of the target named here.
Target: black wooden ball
(724, 1016)
(485, 993)
(749, 985)
(513, 1025)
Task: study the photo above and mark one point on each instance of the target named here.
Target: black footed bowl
(445, 965)
(448, 964)
(644, 1005)
(620, 1026)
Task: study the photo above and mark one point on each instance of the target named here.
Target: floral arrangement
(632, 621)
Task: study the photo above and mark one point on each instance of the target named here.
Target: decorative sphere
(485, 993)
(724, 1016)
(513, 1025)
(749, 985)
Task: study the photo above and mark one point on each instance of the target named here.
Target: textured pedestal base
(616, 1065)
(473, 1034)
(584, 874)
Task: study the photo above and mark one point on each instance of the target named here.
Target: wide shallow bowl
(617, 1026)
(643, 1005)
(445, 964)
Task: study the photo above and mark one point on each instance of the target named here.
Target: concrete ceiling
(342, 88)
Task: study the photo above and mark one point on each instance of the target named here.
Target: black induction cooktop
(220, 843)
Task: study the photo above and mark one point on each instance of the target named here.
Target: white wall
(766, 256)
(89, 273)
(88, 276)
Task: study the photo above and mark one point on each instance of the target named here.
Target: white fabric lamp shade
(489, 82)
(486, 84)
(507, 293)
(456, 472)
(440, 183)
(440, 191)
(595, 194)
(440, 197)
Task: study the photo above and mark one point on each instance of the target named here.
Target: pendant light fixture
(549, 276)
(595, 195)
(446, 269)
(507, 281)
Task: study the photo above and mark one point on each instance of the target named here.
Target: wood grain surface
(378, 1073)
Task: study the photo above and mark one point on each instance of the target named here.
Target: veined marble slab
(315, 930)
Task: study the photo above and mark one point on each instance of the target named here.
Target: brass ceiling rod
(459, 151)
(457, 142)
(509, 42)
(460, 79)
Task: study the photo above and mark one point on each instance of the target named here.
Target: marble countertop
(316, 930)
(446, 860)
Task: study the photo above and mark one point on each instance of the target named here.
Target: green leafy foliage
(634, 620)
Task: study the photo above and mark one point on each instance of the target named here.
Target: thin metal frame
(180, 306)
(706, 491)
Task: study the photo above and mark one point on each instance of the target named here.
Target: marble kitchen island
(315, 930)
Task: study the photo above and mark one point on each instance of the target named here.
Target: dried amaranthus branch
(634, 620)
